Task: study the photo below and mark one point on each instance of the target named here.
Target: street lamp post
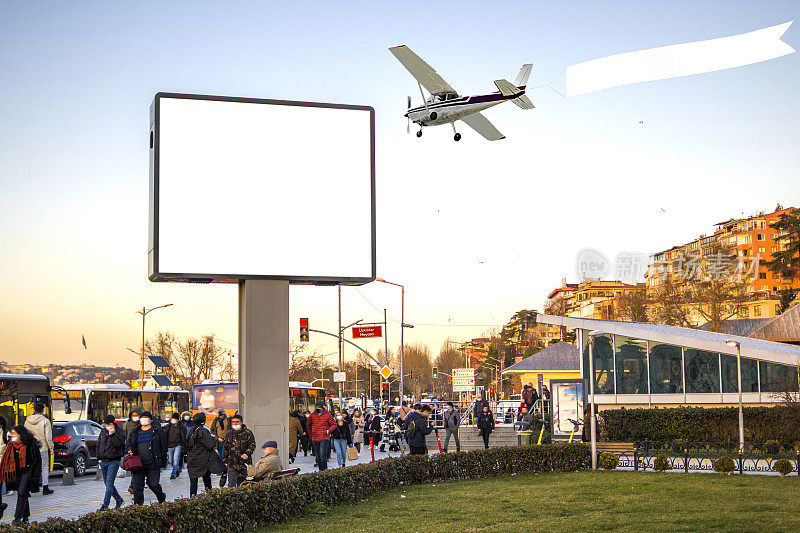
(403, 325)
(144, 312)
(739, 379)
(593, 415)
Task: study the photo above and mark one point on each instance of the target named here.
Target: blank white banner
(677, 60)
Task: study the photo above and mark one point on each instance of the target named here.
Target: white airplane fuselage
(447, 108)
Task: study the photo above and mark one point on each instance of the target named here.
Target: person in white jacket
(42, 430)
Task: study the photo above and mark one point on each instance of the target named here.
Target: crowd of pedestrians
(223, 447)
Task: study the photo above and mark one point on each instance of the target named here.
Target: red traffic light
(384, 385)
(303, 322)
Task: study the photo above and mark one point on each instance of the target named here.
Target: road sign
(386, 372)
(339, 377)
(463, 379)
(367, 332)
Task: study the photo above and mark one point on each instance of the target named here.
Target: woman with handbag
(358, 433)
(21, 459)
(341, 439)
(202, 458)
(148, 444)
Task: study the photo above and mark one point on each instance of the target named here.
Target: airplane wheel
(419, 133)
(457, 137)
(434, 115)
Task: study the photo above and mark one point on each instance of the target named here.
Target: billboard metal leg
(264, 362)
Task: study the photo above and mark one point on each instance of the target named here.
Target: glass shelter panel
(778, 378)
(666, 376)
(631, 365)
(702, 371)
(603, 363)
(749, 374)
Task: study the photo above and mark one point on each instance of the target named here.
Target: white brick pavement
(86, 495)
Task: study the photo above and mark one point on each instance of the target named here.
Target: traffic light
(491, 391)
(410, 374)
(435, 372)
(303, 330)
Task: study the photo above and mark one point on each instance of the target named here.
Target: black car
(75, 445)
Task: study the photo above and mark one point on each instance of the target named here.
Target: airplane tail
(522, 78)
(509, 89)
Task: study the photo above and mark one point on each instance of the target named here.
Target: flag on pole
(83, 341)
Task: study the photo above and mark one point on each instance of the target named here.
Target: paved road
(86, 495)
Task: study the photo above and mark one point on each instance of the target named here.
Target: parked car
(75, 445)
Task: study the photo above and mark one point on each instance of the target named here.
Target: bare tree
(448, 359)
(720, 287)
(633, 305)
(417, 361)
(163, 345)
(668, 305)
(188, 359)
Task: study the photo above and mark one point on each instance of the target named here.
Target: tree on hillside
(668, 305)
(785, 262)
(721, 286)
(633, 305)
(787, 298)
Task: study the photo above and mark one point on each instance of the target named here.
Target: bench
(622, 449)
(272, 476)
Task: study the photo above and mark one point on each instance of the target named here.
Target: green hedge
(699, 424)
(251, 507)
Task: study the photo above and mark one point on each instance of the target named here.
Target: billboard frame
(153, 219)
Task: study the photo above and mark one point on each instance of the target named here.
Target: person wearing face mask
(21, 459)
(305, 441)
(187, 422)
(110, 450)
(239, 447)
(486, 425)
(41, 428)
(358, 433)
(149, 442)
(373, 427)
(130, 424)
(202, 459)
(176, 440)
(320, 424)
(341, 438)
(451, 422)
(295, 432)
(219, 428)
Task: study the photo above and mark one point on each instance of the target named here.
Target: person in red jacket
(320, 424)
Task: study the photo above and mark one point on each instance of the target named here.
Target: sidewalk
(86, 495)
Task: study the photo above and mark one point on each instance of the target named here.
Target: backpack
(411, 429)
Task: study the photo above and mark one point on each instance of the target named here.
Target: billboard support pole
(264, 361)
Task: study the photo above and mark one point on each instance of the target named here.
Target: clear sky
(475, 230)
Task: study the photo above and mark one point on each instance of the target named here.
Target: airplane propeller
(408, 122)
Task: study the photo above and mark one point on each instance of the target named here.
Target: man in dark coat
(417, 428)
(480, 403)
(110, 450)
(239, 447)
(149, 442)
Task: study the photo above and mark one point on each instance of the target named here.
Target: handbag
(132, 463)
(352, 453)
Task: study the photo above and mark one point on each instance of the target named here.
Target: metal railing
(700, 456)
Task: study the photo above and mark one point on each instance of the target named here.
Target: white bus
(96, 400)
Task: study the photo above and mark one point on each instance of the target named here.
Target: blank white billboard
(261, 189)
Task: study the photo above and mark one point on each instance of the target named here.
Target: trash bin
(524, 437)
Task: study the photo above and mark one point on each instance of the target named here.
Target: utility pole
(144, 312)
(340, 344)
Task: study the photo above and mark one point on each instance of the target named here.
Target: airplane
(445, 106)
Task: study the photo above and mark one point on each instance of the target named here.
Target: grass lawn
(621, 501)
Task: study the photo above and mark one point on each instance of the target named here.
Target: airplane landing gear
(419, 133)
(457, 136)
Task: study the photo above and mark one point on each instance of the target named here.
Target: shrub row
(254, 506)
(698, 424)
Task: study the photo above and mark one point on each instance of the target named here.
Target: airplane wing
(481, 124)
(423, 72)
